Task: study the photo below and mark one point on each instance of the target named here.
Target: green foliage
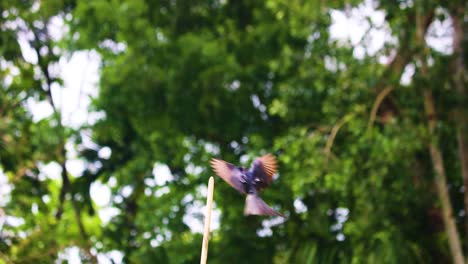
(232, 79)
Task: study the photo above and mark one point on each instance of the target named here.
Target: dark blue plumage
(249, 181)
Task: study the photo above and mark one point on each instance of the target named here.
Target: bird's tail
(254, 205)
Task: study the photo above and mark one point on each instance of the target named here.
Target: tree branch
(396, 67)
(334, 131)
(436, 155)
(441, 183)
(376, 105)
(66, 184)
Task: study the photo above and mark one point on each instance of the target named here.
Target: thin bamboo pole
(206, 233)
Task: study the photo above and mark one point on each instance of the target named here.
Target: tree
(370, 164)
(43, 223)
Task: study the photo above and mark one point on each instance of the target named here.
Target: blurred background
(110, 111)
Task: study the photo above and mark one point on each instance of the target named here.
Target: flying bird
(249, 181)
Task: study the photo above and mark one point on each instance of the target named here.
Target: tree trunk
(441, 183)
(459, 79)
(463, 153)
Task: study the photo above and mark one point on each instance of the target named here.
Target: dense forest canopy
(364, 103)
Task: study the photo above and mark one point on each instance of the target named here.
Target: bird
(250, 181)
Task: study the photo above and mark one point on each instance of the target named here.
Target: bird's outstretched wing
(264, 168)
(230, 173)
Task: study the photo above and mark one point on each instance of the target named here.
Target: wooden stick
(206, 233)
